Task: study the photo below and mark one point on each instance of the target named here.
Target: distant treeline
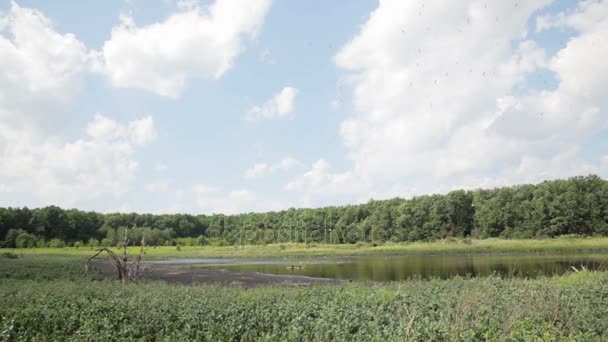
(577, 205)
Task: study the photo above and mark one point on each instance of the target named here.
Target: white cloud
(211, 200)
(321, 179)
(142, 131)
(197, 41)
(40, 70)
(280, 106)
(262, 169)
(55, 171)
(435, 108)
(138, 132)
(40, 74)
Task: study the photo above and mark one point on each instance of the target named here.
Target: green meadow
(49, 298)
(446, 246)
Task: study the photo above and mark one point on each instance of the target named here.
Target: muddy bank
(189, 276)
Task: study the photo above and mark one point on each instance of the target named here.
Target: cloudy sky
(230, 106)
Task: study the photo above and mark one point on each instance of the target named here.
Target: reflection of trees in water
(389, 268)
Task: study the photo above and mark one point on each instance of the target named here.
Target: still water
(388, 268)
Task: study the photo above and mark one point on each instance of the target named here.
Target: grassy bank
(73, 306)
(450, 246)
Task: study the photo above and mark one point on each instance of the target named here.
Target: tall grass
(451, 246)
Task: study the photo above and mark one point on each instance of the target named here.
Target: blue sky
(293, 104)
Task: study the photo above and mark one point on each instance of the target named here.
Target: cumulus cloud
(263, 169)
(321, 179)
(55, 171)
(435, 106)
(197, 41)
(40, 69)
(40, 74)
(280, 106)
(142, 131)
(210, 200)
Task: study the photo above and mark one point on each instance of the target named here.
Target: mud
(190, 276)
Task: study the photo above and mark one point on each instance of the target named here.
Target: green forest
(578, 205)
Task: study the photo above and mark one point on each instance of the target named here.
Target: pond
(389, 268)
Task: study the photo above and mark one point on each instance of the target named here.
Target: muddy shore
(190, 276)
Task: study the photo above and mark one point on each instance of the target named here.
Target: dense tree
(578, 205)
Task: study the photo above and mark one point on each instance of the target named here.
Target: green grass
(453, 246)
(50, 299)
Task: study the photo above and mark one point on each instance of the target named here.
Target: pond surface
(389, 268)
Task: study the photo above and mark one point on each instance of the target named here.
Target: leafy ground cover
(50, 299)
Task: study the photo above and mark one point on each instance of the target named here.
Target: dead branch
(126, 271)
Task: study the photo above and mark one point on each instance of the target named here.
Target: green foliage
(11, 237)
(24, 240)
(187, 241)
(51, 300)
(9, 255)
(56, 243)
(201, 241)
(577, 205)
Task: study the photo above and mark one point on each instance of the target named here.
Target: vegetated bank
(563, 244)
(577, 205)
(48, 299)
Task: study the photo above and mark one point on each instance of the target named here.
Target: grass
(48, 298)
(448, 246)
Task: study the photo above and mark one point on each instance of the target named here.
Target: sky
(230, 106)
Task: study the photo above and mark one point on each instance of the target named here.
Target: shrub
(106, 242)
(187, 241)
(41, 243)
(56, 243)
(78, 244)
(11, 237)
(24, 240)
(9, 255)
(201, 241)
(178, 247)
(93, 242)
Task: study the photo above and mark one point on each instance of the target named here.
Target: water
(389, 268)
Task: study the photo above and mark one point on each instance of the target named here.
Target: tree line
(578, 205)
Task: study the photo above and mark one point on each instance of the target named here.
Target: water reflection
(387, 268)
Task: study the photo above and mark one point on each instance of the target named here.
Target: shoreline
(442, 247)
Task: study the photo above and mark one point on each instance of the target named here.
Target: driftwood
(127, 271)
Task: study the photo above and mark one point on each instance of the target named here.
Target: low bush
(571, 307)
(9, 255)
(56, 243)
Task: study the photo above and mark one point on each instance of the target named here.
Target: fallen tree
(127, 271)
